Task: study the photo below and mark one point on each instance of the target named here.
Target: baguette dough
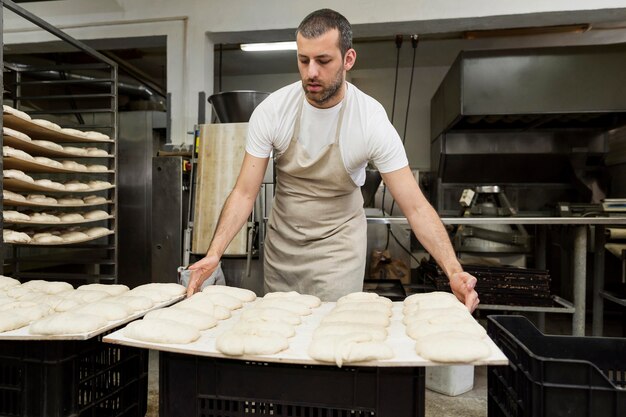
(31, 311)
(353, 347)
(107, 310)
(258, 324)
(377, 333)
(438, 315)
(96, 152)
(161, 331)
(46, 238)
(44, 218)
(225, 300)
(74, 236)
(11, 236)
(74, 166)
(18, 175)
(200, 321)
(97, 231)
(11, 321)
(358, 316)
(136, 302)
(44, 182)
(94, 199)
(96, 136)
(15, 112)
(306, 299)
(271, 314)
(85, 296)
(67, 323)
(111, 289)
(202, 302)
(76, 186)
(97, 168)
(97, 184)
(250, 342)
(48, 287)
(71, 217)
(435, 295)
(285, 304)
(14, 133)
(49, 145)
(15, 216)
(73, 132)
(41, 199)
(8, 282)
(364, 306)
(421, 329)
(75, 151)
(452, 347)
(96, 215)
(46, 123)
(16, 153)
(71, 201)
(10, 195)
(48, 162)
(240, 293)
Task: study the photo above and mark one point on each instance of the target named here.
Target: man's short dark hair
(323, 20)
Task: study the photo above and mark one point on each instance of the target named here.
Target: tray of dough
(34, 166)
(23, 334)
(47, 132)
(89, 239)
(61, 223)
(27, 203)
(403, 346)
(37, 149)
(20, 185)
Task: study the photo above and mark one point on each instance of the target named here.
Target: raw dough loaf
(76, 186)
(75, 151)
(15, 216)
(285, 304)
(435, 295)
(46, 238)
(250, 342)
(48, 287)
(111, 289)
(96, 152)
(306, 299)
(136, 302)
(364, 296)
(152, 293)
(11, 236)
(97, 168)
(85, 296)
(421, 329)
(271, 314)
(14, 133)
(18, 175)
(67, 323)
(49, 145)
(71, 217)
(10, 195)
(11, 321)
(17, 292)
(16, 153)
(74, 166)
(438, 316)
(46, 123)
(225, 300)
(71, 201)
(31, 312)
(96, 215)
(41, 199)
(48, 162)
(97, 231)
(94, 199)
(8, 282)
(358, 316)
(97, 184)
(200, 321)
(453, 347)
(240, 293)
(96, 136)
(15, 112)
(73, 132)
(74, 236)
(105, 309)
(354, 347)
(377, 333)
(170, 288)
(161, 331)
(44, 218)
(44, 182)
(364, 306)
(251, 325)
(202, 302)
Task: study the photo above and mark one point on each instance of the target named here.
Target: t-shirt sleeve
(259, 140)
(386, 150)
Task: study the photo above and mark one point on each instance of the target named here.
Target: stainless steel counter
(581, 246)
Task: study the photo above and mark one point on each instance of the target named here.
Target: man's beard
(327, 93)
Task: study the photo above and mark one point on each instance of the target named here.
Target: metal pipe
(580, 275)
(598, 281)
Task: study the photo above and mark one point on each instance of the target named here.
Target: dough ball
(250, 342)
(452, 347)
(161, 331)
(111, 289)
(353, 347)
(285, 304)
(200, 321)
(10, 195)
(240, 293)
(271, 314)
(377, 333)
(8, 282)
(67, 323)
(49, 145)
(11, 321)
(15, 216)
(306, 299)
(357, 316)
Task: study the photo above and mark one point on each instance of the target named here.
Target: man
(323, 131)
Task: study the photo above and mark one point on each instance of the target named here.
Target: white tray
(402, 345)
(23, 334)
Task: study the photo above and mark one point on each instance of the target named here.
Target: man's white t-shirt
(366, 133)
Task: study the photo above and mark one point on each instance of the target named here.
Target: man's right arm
(234, 215)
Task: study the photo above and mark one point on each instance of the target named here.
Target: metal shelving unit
(82, 96)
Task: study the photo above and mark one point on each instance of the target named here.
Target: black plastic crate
(62, 378)
(194, 386)
(555, 376)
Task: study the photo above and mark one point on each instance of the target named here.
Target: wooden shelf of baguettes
(43, 132)
(64, 243)
(11, 162)
(27, 203)
(14, 184)
(40, 150)
(59, 223)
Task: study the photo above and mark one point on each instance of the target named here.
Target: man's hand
(200, 271)
(462, 284)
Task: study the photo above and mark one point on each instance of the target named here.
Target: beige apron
(317, 232)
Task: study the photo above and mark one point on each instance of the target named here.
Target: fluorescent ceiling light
(273, 46)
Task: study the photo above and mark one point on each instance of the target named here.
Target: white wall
(191, 26)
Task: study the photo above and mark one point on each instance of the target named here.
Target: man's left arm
(431, 233)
